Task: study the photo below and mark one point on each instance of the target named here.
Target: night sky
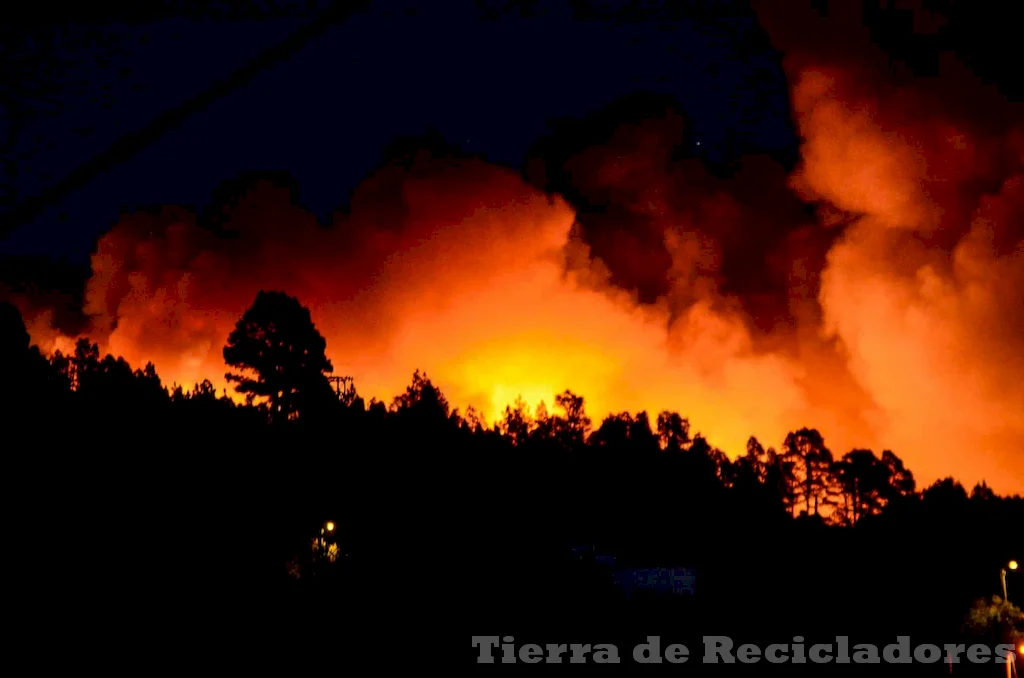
(489, 80)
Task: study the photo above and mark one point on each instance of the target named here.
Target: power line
(133, 142)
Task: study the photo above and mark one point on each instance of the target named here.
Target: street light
(324, 531)
(330, 528)
(1013, 565)
(327, 528)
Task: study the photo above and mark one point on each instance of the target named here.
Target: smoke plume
(873, 291)
(923, 289)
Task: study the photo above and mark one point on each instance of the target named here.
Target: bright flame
(476, 293)
(906, 336)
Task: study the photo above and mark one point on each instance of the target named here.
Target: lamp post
(322, 542)
(1013, 565)
(324, 531)
(1011, 666)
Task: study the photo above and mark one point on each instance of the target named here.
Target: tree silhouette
(752, 467)
(627, 434)
(24, 372)
(613, 431)
(509, 501)
(780, 476)
(705, 462)
(422, 397)
(982, 493)
(282, 355)
(673, 431)
(995, 621)
(902, 485)
(812, 462)
(544, 423)
(945, 496)
(572, 427)
(863, 480)
(14, 337)
(517, 422)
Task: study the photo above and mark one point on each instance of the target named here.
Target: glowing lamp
(330, 528)
(1014, 565)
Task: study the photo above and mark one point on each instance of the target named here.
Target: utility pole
(1013, 565)
(344, 387)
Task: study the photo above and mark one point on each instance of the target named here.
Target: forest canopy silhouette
(545, 296)
(795, 374)
(243, 487)
(844, 289)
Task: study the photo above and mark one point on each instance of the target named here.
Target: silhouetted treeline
(122, 488)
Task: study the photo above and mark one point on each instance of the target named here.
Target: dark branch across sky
(107, 116)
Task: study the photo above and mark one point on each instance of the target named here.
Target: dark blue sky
(326, 114)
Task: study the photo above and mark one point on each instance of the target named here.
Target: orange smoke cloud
(474, 285)
(891, 319)
(923, 290)
(495, 294)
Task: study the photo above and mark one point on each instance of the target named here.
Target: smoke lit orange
(908, 336)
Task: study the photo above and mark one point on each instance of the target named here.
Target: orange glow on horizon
(907, 335)
(520, 326)
(490, 320)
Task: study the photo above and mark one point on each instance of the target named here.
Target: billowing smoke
(923, 291)
(872, 292)
(441, 263)
(670, 228)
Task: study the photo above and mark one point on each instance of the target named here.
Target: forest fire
(489, 318)
(892, 318)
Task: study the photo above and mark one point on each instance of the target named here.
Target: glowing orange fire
(476, 277)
